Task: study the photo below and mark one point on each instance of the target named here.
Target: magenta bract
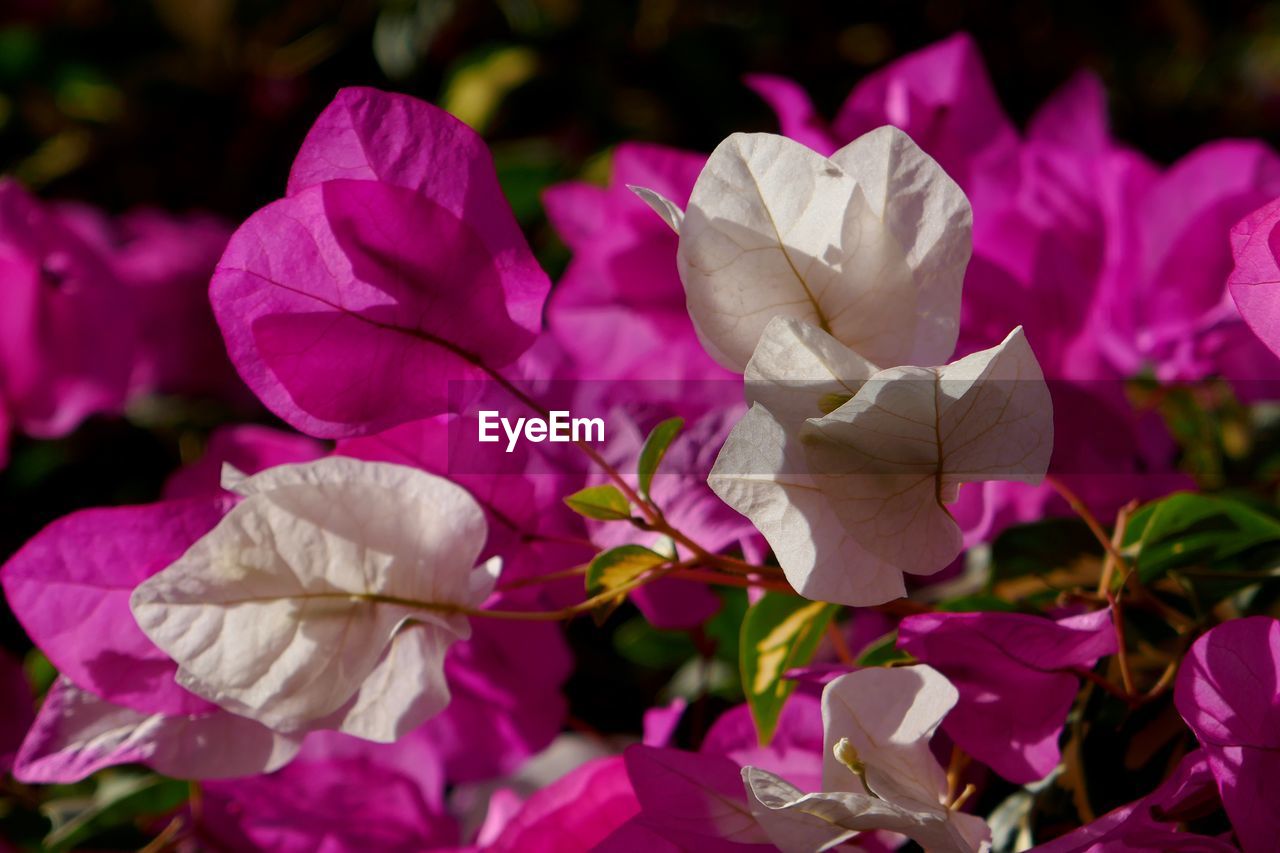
(393, 256)
(70, 587)
(1228, 691)
(1013, 672)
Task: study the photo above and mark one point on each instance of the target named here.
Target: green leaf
(780, 632)
(1188, 529)
(655, 447)
(617, 566)
(604, 503)
(883, 651)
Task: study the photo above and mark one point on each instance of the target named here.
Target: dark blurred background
(201, 103)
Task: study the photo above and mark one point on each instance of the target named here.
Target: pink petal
(574, 813)
(795, 753)
(1228, 689)
(67, 325)
(1255, 281)
(370, 135)
(1012, 673)
(340, 282)
(797, 117)
(311, 806)
(943, 98)
(507, 704)
(77, 734)
(70, 585)
(692, 794)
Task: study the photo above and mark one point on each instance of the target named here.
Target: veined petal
(875, 257)
(331, 587)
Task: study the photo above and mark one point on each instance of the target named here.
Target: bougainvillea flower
(619, 310)
(369, 135)
(698, 802)
(530, 528)
(311, 804)
(940, 95)
(77, 733)
(870, 245)
(394, 255)
(16, 712)
(878, 770)
(574, 813)
(1166, 304)
(692, 797)
(505, 701)
(165, 262)
(67, 324)
(1154, 821)
(854, 498)
(364, 563)
(1054, 212)
(794, 753)
(1013, 675)
(1228, 691)
(70, 585)
(1255, 281)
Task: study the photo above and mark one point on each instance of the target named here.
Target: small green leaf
(1186, 529)
(883, 651)
(780, 632)
(604, 503)
(655, 447)
(617, 566)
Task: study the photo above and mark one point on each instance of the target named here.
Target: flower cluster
(852, 374)
(99, 311)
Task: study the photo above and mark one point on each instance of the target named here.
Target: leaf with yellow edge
(618, 566)
(780, 632)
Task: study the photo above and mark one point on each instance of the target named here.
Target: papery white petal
(897, 451)
(232, 477)
(661, 205)
(996, 417)
(889, 716)
(794, 821)
(762, 473)
(773, 228)
(77, 734)
(801, 823)
(406, 687)
(886, 718)
(797, 366)
(929, 218)
(286, 609)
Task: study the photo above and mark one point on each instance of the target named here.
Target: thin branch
(840, 645)
(1122, 653)
(1078, 506)
(1109, 565)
